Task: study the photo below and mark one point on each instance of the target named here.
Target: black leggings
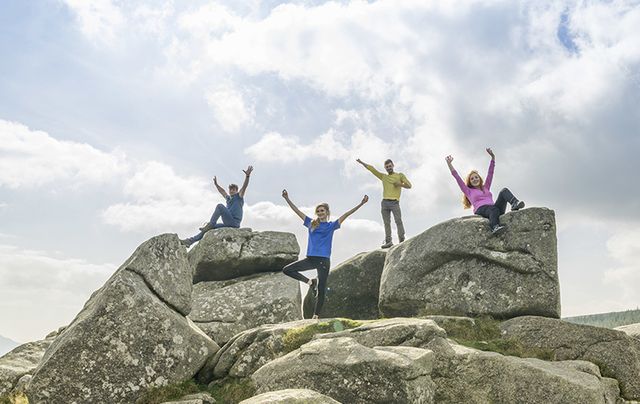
(493, 212)
(322, 265)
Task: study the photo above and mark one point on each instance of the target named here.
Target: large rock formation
(352, 373)
(131, 335)
(354, 288)
(222, 309)
(22, 361)
(459, 267)
(617, 354)
(632, 330)
(290, 396)
(228, 253)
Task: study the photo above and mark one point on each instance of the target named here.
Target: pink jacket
(476, 196)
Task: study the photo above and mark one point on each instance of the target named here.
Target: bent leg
(491, 212)
(505, 196)
(293, 270)
(323, 265)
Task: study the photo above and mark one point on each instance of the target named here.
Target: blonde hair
(316, 222)
(465, 201)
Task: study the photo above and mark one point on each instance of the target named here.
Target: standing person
(318, 248)
(231, 214)
(392, 184)
(476, 192)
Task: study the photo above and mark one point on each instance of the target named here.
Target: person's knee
(220, 207)
(504, 190)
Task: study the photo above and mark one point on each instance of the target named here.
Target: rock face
(130, 335)
(228, 253)
(471, 376)
(459, 267)
(352, 373)
(222, 309)
(632, 330)
(290, 396)
(617, 354)
(22, 361)
(354, 288)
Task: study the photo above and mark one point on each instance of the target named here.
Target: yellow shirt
(389, 190)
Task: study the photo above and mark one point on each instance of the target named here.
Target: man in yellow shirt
(392, 184)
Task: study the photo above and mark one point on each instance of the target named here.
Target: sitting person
(477, 193)
(231, 214)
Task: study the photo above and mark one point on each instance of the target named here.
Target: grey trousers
(389, 206)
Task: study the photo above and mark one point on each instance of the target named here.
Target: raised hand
(248, 171)
(493, 156)
(215, 180)
(449, 159)
(285, 194)
(365, 199)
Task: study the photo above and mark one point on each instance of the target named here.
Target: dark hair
(388, 161)
(233, 186)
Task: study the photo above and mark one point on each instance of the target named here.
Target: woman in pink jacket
(477, 192)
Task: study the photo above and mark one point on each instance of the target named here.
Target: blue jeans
(493, 212)
(321, 264)
(223, 213)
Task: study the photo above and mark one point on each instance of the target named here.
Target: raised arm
(492, 166)
(346, 215)
(370, 168)
(247, 174)
(219, 188)
(285, 195)
(461, 184)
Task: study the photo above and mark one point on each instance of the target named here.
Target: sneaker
(315, 317)
(497, 229)
(401, 240)
(517, 206)
(205, 227)
(387, 244)
(314, 287)
(186, 242)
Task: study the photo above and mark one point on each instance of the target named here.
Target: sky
(115, 116)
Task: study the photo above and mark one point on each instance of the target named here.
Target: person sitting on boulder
(231, 214)
(478, 193)
(318, 248)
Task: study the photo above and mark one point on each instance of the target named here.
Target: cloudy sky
(115, 115)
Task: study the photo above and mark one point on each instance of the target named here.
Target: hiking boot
(314, 287)
(387, 244)
(206, 226)
(400, 240)
(517, 205)
(497, 229)
(186, 242)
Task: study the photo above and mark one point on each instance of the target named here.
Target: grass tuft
(170, 392)
(296, 337)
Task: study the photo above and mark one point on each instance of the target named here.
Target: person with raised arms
(319, 244)
(477, 192)
(231, 214)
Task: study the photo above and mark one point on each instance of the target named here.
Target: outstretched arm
(219, 188)
(370, 168)
(285, 195)
(347, 214)
(492, 166)
(247, 174)
(461, 184)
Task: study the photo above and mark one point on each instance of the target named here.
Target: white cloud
(624, 247)
(33, 158)
(100, 20)
(42, 291)
(230, 108)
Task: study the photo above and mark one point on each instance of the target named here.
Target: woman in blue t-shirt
(318, 248)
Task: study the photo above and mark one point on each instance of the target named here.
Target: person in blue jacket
(318, 248)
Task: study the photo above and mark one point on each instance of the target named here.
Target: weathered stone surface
(290, 396)
(471, 376)
(228, 253)
(125, 340)
(459, 267)
(354, 288)
(22, 361)
(632, 330)
(248, 351)
(351, 373)
(617, 354)
(197, 398)
(222, 309)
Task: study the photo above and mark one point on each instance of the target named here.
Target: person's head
(322, 214)
(388, 165)
(233, 189)
(474, 180)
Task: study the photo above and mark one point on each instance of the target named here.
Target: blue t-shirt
(320, 238)
(235, 204)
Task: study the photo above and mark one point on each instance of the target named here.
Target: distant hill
(6, 345)
(608, 320)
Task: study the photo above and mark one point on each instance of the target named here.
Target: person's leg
(293, 270)
(501, 201)
(323, 265)
(386, 219)
(397, 217)
(492, 213)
